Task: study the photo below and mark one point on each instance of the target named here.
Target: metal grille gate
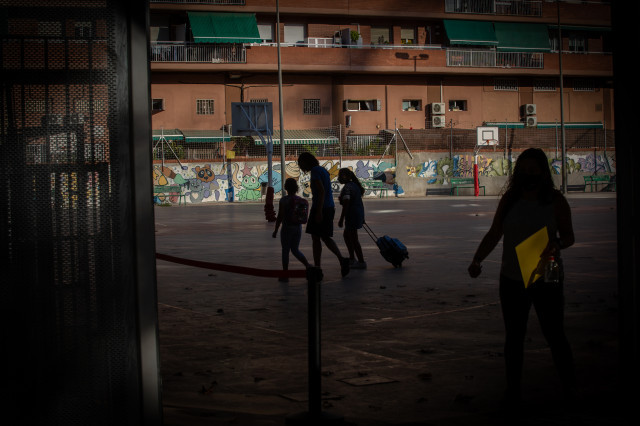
(69, 293)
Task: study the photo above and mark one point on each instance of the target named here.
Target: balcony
(198, 52)
(180, 56)
(495, 7)
(212, 2)
(494, 59)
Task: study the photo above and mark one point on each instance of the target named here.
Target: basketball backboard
(487, 136)
(251, 118)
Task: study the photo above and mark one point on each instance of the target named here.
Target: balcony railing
(495, 7)
(218, 2)
(494, 59)
(198, 52)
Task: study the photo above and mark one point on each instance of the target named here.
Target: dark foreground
(420, 345)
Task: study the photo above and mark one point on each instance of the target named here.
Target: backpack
(298, 210)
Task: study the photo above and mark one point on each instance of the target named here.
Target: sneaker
(344, 266)
(358, 265)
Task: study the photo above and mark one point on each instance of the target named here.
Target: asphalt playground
(417, 345)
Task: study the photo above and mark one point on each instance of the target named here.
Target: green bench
(165, 192)
(376, 185)
(595, 180)
(457, 183)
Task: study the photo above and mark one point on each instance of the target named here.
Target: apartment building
(373, 64)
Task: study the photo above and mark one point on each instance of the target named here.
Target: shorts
(353, 221)
(325, 227)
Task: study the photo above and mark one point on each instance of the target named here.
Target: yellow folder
(529, 252)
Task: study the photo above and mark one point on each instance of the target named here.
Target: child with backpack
(292, 213)
(352, 215)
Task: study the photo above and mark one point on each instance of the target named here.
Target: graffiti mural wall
(439, 171)
(241, 181)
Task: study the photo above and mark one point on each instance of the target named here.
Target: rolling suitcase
(391, 249)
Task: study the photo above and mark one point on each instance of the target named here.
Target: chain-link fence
(337, 143)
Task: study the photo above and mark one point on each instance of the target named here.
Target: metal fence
(494, 59)
(497, 7)
(211, 2)
(383, 144)
(198, 52)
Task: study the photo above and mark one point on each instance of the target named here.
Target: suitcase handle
(369, 231)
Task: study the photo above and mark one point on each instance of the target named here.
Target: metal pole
(395, 121)
(606, 159)
(283, 173)
(315, 415)
(451, 141)
(562, 130)
(315, 373)
(340, 142)
(556, 127)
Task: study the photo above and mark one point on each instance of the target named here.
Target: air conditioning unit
(529, 109)
(437, 108)
(437, 121)
(530, 121)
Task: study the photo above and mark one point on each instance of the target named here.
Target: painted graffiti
(440, 171)
(243, 182)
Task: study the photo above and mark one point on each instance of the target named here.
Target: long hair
(517, 183)
(351, 177)
(307, 161)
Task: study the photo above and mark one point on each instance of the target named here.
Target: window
(412, 105)
(362, 105)
(204, 106)
(553, 42)
(35, 105)
(584, 85)
(408, 35)
(505, 84)
(51, 29)
(544, 85)
(380, 35)
(311, 107)
(81, 105)
(157, 105)
(83, 29)
(577, 43)
(259, 100)
(266, 32)
(457, 105)
(294, 34)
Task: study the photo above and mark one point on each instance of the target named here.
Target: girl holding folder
(529, 204)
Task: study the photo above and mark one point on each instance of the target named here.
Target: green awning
(473, 33)
(195, 136)
(212, 27)
(522, 37)
(168, 134)
(299, 137)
